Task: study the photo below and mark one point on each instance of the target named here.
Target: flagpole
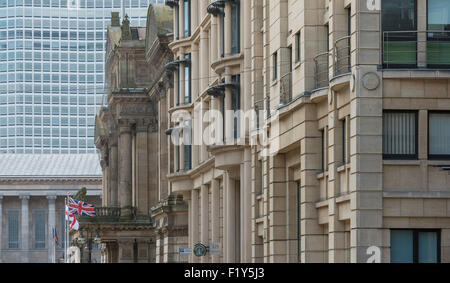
(65, 232)
(54, 247)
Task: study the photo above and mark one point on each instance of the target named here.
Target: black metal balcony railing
(286, 88)
(110, 215)
(416, 49)
(171, 3)
(321, 71)
(342, 63)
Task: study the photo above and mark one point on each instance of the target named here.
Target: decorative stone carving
(136, 109)
(371, 81)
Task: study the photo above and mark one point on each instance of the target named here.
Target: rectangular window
(400, 48)
(187, 18)
(439, 135)
(274, 66)
(298, 46)
(187, 81)
(344, 141)
(323, 146)
(236, 105)
(438, 41)
(187, 141)
(415, 246)
(400, 131)
(177, 21)
(39, 230)
(222, 33)
(235, 27)
(178, 87)
(13, 230)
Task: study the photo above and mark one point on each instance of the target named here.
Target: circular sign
(371, 81)
(200, 250)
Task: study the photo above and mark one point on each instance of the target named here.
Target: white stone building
(32, 193)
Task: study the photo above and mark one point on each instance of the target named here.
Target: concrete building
(356, 95)
(32, 193)
(130, 133)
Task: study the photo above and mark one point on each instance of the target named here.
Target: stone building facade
(130, 134)
(33, 189)
(356, 99)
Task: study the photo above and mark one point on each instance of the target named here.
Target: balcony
(286, 89)
(321, 73)
(342, 59)
(171, 3)
(416, 50)
(116, 215)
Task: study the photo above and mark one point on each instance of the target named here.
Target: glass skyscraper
(52, 55)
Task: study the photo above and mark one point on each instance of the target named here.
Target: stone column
(312, 238)
(228, 27)
(215, 213)
(228, 115)
(336, 229)
(230, 219)
(182, 167)
(181, 17)
(246, 213)
(142, 167)
(113, 174)
(214, 43)
(1, 224)
(194, 221)
(204, 68)
(277, 209)
(51, 225)
(125, 169)
(204, 218)
(24, 237)
(203, 147)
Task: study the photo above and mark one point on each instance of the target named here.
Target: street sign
(215, 249)
(200, 250)
(185, 251)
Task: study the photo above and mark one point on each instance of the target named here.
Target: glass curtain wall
(52, 71)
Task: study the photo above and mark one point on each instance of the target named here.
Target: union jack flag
(77, 207)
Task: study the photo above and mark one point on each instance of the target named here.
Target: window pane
(187, 81)
(402, 246)
(187, 18)
(235, 26)
(399, 15)
(399, 133)
(428, 244)
(438, 45)
(399, 48)
(439, 133)
(39, 230)
(439, 15)
(13, 230)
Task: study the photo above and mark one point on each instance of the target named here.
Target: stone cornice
(51, 180)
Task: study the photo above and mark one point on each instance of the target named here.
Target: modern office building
(357, 100)
(52, 55)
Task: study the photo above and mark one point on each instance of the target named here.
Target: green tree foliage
(81, 195)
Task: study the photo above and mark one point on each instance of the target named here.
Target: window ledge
(402, 162)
